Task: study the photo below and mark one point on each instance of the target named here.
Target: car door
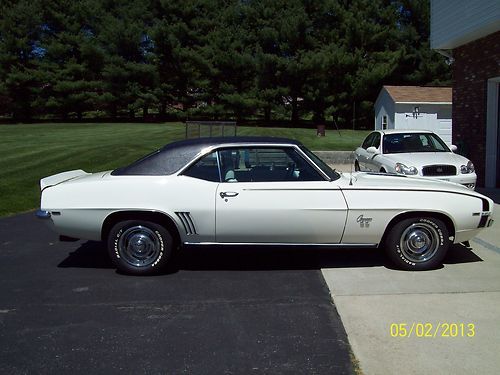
(373, 160)
(274, 195)
(362, 154)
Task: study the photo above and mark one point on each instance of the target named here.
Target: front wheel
(139, 247)
(356, 166)
(418, 243)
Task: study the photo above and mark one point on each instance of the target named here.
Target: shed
(415, 107)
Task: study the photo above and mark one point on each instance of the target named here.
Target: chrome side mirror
(372, 150)
(453, 148)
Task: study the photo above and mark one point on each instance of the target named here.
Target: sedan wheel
(139, 247)
(418, 243)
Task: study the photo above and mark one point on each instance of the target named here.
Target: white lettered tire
(139, 247)
(418, 243)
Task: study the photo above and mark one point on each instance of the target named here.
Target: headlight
(403, 169)
(469, 168)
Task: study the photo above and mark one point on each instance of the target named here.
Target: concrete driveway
(451, 315)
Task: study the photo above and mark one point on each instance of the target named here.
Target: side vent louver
(187, 222)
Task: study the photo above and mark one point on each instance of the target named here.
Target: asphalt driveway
(63, 309)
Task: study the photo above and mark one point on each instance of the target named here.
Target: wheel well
(407, 215)
(382, 170)
(156, 217)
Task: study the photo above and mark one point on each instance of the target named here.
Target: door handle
(228, 194)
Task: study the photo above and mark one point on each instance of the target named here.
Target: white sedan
(414, 153)
(261, 191)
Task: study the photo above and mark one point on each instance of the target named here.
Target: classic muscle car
(262, 191)
(414, 153)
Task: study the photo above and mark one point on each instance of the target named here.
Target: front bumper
(42, 214)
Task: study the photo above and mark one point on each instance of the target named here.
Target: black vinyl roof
(172, 157)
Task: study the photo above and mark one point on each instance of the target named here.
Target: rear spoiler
(61, 177)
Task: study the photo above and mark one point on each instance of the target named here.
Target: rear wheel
(139, 247)
(418, 243)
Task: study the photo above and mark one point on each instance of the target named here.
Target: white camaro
(414, 153)
(263, 191)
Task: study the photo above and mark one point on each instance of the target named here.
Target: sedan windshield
(413, 142)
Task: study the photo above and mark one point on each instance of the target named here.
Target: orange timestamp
(432, 330)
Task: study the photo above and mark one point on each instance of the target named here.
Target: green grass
(29, 152)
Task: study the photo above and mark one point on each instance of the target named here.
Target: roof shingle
(419, 94)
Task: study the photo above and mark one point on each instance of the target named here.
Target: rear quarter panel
(382, 205)
(84, 205)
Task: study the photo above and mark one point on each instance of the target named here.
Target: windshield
(321, 164)
(413, 142)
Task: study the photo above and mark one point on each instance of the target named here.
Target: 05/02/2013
(432, 330)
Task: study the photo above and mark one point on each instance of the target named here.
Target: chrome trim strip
(349, 245)
(41, 214)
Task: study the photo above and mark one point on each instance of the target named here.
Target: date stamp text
(432, 330)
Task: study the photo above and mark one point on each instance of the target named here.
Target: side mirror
(372, 150)
(453, 148)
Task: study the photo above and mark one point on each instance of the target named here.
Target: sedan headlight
(403, 169)
(469, 168)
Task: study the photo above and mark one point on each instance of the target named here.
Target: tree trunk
(145, 112)
(114, 111)
(267, 114)
(295, 111)
(163, 111)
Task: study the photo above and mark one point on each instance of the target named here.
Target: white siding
(433, 117)
(384, 106)
(457, 22)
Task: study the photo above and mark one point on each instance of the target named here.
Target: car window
(376, 140)
(260, 164)
(436, 143)
(368, 141)
(413, 142)
(206, 168)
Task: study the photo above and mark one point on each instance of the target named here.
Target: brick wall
(474, 64)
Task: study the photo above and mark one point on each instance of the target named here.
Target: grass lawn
(32, 151)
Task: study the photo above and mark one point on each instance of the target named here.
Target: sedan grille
(439, 170)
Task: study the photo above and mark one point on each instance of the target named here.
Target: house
(467, 32)
(415, 107)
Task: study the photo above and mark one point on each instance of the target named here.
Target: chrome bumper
(41, 214)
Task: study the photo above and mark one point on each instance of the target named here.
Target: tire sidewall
(163, 236)
(397, 256)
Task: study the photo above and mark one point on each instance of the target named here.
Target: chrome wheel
(419, 242)
(139, 246)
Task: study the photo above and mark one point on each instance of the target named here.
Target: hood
(385, 181)
(420, 159)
